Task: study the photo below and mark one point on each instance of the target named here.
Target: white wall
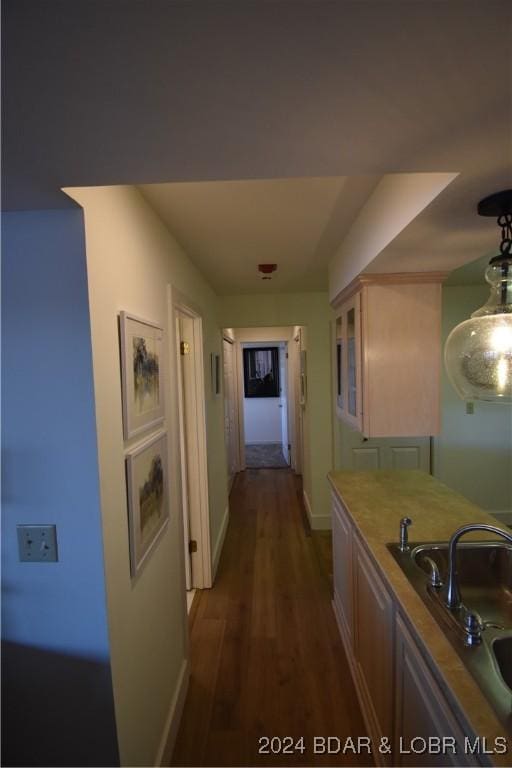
(131, 260)
(397, 199)
(262, 420)
(473, 453)
(56, 671)
(262, 415)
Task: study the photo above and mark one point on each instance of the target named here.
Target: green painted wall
(473, 453)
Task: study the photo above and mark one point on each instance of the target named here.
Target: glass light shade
(478, 352)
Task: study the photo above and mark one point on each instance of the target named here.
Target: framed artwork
(148, 498)
(261, 371)
(303, 378)
(141, 374)
(215, 371)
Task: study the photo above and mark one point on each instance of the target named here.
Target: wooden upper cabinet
(388, 354)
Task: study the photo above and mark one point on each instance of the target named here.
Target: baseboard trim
(220, 542)
(316, 522)
(165, 750)
(308, 506)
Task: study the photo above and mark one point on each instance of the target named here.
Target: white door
(181, 334)
(230, 425)
(295, 351)
(283, 399)
(192, 425)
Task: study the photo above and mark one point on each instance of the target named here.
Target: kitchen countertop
(375, 502)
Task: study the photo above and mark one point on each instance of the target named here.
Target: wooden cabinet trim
(379, 724)
(383, 279)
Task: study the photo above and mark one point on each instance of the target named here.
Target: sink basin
(485, 580)
(502, 648)
(484, 572)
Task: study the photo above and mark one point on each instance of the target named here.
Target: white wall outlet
(37, 543)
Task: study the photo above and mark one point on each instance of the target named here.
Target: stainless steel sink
(484, 572)
(502, 648)
(485, 580)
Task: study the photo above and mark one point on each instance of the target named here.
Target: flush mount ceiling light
(266, 270)
(478, 352)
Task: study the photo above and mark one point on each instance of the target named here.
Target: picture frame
(261, 371)
(141, 374)
(303, 378)
(215, 373)
(148, 498)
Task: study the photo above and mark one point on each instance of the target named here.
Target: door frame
(226, 338)
(195, 425)
(292, 404)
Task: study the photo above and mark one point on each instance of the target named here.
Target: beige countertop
(376, 501)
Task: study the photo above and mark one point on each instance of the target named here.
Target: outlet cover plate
(37, 543)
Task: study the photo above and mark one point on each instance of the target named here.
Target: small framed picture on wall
(141, 374)
(148, 498)
(215, 372)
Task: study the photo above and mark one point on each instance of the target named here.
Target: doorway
(265, 405)
(192, 429)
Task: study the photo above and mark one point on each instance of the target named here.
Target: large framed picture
(303, 377)
(215, 373)
(148, 498)
(141, 374)
(261, 372)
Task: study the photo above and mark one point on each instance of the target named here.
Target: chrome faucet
(453, 597)
(434, 575)
(405, 522)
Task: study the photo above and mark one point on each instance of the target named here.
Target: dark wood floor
(266, 657)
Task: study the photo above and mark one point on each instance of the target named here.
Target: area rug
(264, 456)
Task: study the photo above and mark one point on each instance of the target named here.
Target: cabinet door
(342, 571)
(373, 644)
(340, 366)
(349, 405)
(421, 712)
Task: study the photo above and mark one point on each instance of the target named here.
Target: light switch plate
(37, 543)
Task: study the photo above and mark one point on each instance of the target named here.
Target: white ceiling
(228, 228)
(310, 96)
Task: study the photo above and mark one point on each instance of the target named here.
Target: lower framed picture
(148, 498)
(215, 371)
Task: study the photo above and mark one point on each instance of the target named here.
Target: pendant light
(478, 351)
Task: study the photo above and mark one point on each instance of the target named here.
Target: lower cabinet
(342, 570)
(426, 733)
(373, 645)
(399, 696)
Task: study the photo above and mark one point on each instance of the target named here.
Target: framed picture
(148, 498)
(141, 374)
(303, 378)
(261, 371)
(215, 371)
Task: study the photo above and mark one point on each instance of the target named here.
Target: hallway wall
(311, 310)
(131, 260)
(56, 679)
